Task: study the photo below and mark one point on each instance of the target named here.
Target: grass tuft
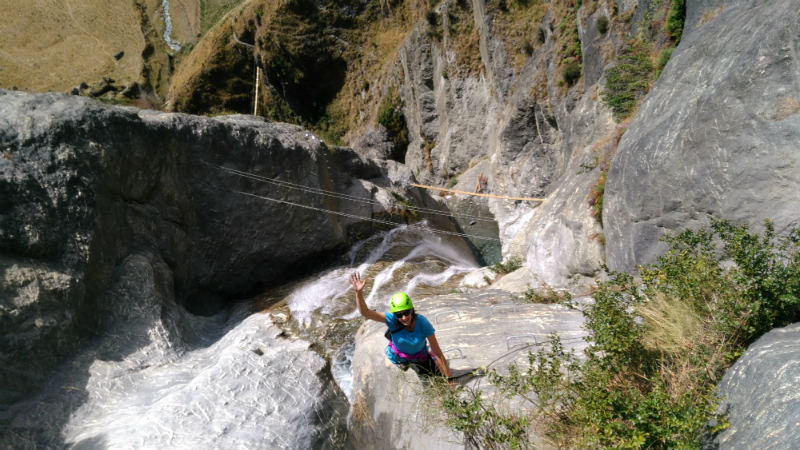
(671, 326)
(507, 266)
(628, 81)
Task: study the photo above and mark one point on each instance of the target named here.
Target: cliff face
(518, 124)
(502, 97)
(84, 186)
(717, 135)
(103, 206)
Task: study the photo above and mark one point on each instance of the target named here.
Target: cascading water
(251, 379)
(421, 259)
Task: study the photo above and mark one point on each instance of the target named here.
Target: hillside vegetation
(47, 45)
(322, 61)
(659, 348)
(328, 65)
(56, 45)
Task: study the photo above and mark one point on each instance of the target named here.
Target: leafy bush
(527, 47)
(483, 426)
(507, 266)
(390, 115)
(628, 81)
(432, 17)
(675, 19)
(663, 59)
(659, 348)
(602, 24)
(571, 72)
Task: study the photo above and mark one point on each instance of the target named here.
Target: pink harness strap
(420, 356)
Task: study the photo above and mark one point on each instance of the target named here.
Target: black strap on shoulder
(389, 333)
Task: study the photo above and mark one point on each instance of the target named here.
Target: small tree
(571, 72)
(390, 115)
(602, 24)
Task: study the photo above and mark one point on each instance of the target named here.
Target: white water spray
(330, 295)
(236, 380)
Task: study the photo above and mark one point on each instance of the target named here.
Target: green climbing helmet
(400, 302)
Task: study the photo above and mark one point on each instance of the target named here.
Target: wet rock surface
(83, 186)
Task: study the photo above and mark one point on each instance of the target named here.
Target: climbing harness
(420, 356)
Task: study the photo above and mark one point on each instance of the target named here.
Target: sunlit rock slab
(479, 328)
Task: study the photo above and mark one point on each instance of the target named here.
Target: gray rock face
(83, 186)
(525, 141)
(760, 395)
(717, 134)
(390, 408)
(375, 144)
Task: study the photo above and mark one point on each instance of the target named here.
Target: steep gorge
(487, 103)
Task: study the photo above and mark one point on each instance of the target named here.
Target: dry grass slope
(54, 45)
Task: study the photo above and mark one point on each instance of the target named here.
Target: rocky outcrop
(717, 135)
(523, 132)
(759, 395)
(392, 409)
(83, 186)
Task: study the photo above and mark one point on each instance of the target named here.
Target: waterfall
(329, 295)
(275, 379)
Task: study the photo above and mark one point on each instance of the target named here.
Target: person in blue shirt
(409, 332)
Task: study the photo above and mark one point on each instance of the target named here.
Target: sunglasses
(400, 314)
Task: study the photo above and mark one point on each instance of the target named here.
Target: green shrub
(602, 24)
(527, 47)
(432, 17)
(675, 19)
(507, 266)
(545, 295)
(483, 426)
(571, 72)
(662, 60)
(659, 347)
(595, 197)
(390, 115)
(628, 81)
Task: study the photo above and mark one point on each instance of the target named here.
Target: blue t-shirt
(410, 342)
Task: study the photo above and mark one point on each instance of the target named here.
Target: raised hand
(357, 282)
